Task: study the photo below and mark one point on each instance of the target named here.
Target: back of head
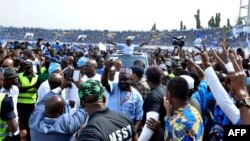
(154, 74)
(8, 63)
(92, 62)
(138, 71)
(139, 63)
(55, 80)
(54, 106)
(179, 88)
(91, 91)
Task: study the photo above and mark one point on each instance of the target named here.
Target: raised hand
(190, 60)
(205, 59)
(167, 106)
(225, 53)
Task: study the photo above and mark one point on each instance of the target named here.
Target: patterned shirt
(185, 125)
(142, 87)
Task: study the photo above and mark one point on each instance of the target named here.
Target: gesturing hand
(167, 106)
(237, 80)
(205, 59)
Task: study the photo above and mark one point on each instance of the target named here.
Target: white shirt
(67, 94)
(96, 77)
(43, 90)
(221, 96)
(116, 80)
(71, 94)
(127, 49)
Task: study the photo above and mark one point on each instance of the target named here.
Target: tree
(228, 23)
(184, 27)
(153, 27)
(181, 25)
(211, 22)
(197, 18)
(214, 22)
(217, 20)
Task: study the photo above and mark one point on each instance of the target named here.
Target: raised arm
(199, 71)
(110, 42)
(221, 96)
(143, 43)
(238, 86)
(104, 78)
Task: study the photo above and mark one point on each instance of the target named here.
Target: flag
(102, 47)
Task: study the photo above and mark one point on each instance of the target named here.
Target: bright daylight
(124, 70)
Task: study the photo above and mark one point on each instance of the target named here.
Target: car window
(128, 61)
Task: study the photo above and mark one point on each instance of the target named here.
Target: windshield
(128, 61)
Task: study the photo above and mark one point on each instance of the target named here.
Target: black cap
(9, 73)
(28, 64)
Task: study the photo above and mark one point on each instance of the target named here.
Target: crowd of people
(43, 97)
(164, 38)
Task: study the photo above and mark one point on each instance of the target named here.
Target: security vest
(29, 96)
(3, 124)
(43, 70)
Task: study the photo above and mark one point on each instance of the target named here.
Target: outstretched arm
(142, 44)
(113, 43)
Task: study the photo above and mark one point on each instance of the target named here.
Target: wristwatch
(244, 101)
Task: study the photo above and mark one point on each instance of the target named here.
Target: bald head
(90, 68)
(54, 106)
(8, 63)
(92, 63)
(55, 80)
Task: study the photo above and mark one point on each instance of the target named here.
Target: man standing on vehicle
(128, 47)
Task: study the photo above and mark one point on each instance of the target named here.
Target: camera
(178, 41)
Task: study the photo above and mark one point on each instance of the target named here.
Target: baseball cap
(190, 81)
(53, 67)
(91, 88)
(28, 64)
(81, 62)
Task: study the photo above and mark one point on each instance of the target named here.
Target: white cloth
(127, 49)
(221, 96)
(116, 80)
(67, 94)
(43, 90)
(96, 77)
(229, 66)
(71, 94)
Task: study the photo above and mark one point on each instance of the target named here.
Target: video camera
(178, 41)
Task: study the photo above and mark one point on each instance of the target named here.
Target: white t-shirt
(127, 49)
(67, 94)
(96, 77)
